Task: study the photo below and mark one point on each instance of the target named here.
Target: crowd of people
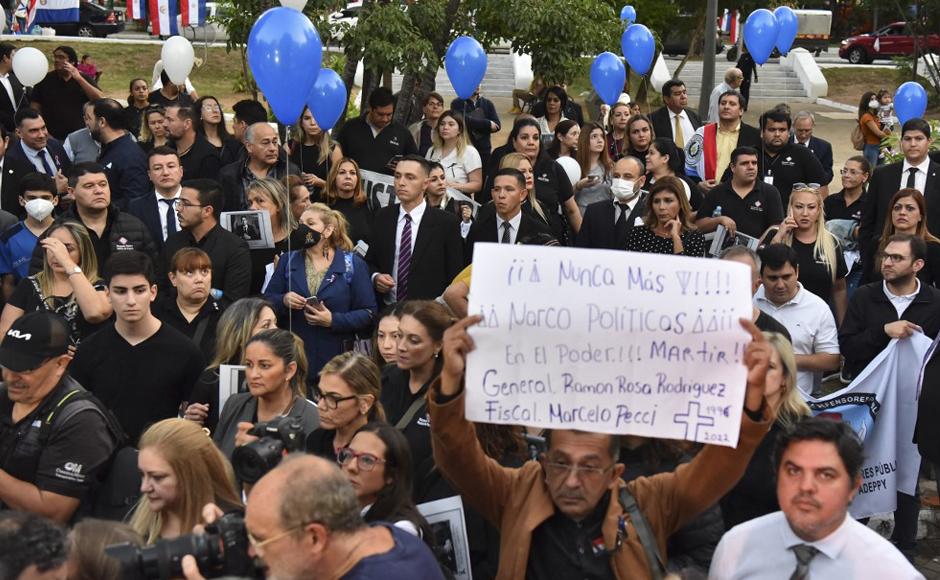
(127, 302)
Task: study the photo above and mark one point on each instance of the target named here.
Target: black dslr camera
(252, 461)
(221, 551)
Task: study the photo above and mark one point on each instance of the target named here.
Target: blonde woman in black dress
(667, 226)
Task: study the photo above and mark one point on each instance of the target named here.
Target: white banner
(881, 405)
(608, 341)
(380, 188)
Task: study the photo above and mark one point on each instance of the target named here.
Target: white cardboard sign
(608, 341)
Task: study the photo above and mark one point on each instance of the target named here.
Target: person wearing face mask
(324, 290)
(193, 311)
(607, 223)
(38, 198)
(872, 131)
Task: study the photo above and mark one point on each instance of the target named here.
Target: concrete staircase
(775, 83)
(499, 80)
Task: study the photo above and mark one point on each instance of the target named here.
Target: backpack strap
(409, 414)
(643, 531)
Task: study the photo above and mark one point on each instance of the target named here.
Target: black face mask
(310, 237)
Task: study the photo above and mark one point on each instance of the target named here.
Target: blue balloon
(284, 53)
(787, 26)
(760, 34)
(910, 101)
(608, 76)
(628, 15)
(465, 63)
(327, 98)
(638, 47)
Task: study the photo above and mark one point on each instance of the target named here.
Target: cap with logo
(33, 339)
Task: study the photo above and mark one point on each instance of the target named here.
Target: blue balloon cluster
(327, 98)
(284, 54)
(760, 34)
(638, 47)
(910, 101)
(608, 76)
(465, 63)
(628, 15)
(787, 26)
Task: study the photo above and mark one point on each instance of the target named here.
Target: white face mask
(873, 104)
(623, 189)
(39, 209)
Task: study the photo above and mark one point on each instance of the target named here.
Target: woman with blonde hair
(821, 260)
(270, 195)
(68, 284)
(348, 398)
(463, 168)
(153, 131)
(313, 151)
(243, 319)
(756, 493)
(323, 289)
(346, 194)
(524, 165)
(181, 471)
(909, 216)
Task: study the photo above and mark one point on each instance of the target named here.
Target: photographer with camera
(181, 470)
(303, 521)
(273, 416)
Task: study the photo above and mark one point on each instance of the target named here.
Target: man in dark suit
(916, 171)
(417, 250)
(12, 171)
(35, 147)
(803, 124)
(158, 209)
(11, 95)
(673, 119)
(607, 224)
(508, 224)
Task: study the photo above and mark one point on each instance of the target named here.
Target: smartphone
(313, 301)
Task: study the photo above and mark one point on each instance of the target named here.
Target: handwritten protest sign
(379, 188)
(608, 341)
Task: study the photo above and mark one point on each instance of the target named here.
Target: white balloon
(30, 66)
(571, 167)
(178, 58)
(295, 4)
(3, 20)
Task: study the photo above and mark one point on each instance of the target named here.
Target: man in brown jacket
(561, 517)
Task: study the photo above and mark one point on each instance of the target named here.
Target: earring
(326, 252)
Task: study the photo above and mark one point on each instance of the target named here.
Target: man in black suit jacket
(36, 147)
(12, 171)
(425, 269)
(264, 159)
(11, 90)
(158, 209)
(916, 170)
(506, 223)
(675, 97)
(803, 124)
(607, 224)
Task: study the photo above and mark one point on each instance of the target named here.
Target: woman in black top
(268, 194)
(664, 159)
(68, 284)
(209, 120)
(909, 216)
(346, 194)
(153, 131)
(312, 150)
(192, 311)
(137, 103)
(640, 135)
(667, 226)
(405, 386)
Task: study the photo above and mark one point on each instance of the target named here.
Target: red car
(892, 40)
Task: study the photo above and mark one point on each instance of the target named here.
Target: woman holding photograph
(267, 195)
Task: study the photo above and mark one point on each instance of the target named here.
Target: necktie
(624, 212)
(45, 163)
(678, 137)
(170, 216)
(803, 555)
(911, 177)
(404, 260)
(507, 236)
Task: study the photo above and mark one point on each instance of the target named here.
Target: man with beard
(198, 157)
(124, 162)
(784, 163)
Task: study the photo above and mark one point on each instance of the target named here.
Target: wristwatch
(75, 270)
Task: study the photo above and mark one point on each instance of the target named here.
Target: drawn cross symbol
(693, 422)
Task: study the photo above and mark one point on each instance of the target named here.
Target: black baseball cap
(33, 339)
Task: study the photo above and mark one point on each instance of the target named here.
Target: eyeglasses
(560, 470)
(259, 545)
(893, 258)
(366, 461)
(185, 203)
(330, 401)
(799, 186)
(850, 172)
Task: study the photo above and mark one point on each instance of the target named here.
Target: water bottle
(717, 212)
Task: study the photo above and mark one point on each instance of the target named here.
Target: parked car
(93, 21)
(895, 39)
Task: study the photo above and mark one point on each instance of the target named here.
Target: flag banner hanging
(136, 9)
(52, 11)
(163, 17)
(193, 12)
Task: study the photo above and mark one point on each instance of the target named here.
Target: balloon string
(290, 319)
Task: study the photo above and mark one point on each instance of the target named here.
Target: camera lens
(252, 461)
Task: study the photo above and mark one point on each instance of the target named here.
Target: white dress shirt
(920, 178)
(33, 156)
(687, 129)
(513, 227)
(761, 550)
(901, 302)
(8, 87)
(631, 205)
(416, 215)
(161, 210)
(812, 329)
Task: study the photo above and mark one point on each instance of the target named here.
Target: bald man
(265, 159)
(733, 79)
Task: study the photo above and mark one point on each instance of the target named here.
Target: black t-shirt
(757, 211)
(815, 275)
(307, 158)
(207, 319)
(201, 161)
(793, 164)
(157, 98)
(359, 218)
(373, 153)
(140, 383)
(28, 297)
(61, 103)
(552, 190)
(835, 208)
(77, 447)
(396, 399)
